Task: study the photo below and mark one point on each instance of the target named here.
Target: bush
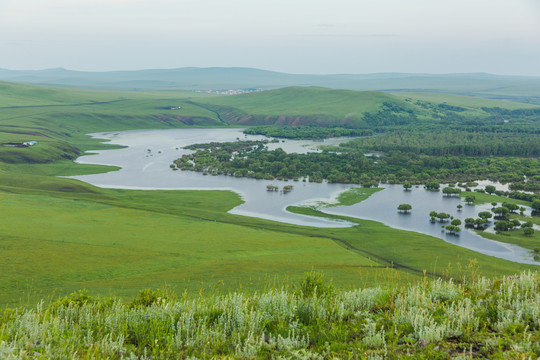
(76, 299)
(314, 284)
(148, 297)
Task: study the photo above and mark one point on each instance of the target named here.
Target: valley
(33, 196)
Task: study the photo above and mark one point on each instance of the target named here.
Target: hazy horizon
(271, 70)
(300, 37)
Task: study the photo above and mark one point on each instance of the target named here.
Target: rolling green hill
(326, 107)
(59, 119)
(306, 102)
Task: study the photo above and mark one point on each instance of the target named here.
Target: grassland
(299, 101)
(301, 106)
(483, 198)
(59, 119)
(354, 196)
(115, 246)
(60, 235)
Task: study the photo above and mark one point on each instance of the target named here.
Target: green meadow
(60, 235)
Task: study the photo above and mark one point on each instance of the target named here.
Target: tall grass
(431, 319)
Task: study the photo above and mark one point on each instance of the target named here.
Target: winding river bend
(145, 164)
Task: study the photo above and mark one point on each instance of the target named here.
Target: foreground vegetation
(471, 317)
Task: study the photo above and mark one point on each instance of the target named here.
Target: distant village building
(169, 108)
(19, 145)
(230, 91)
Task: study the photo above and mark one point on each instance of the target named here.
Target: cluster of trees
(503, 223)
(453, 228)
(481, 222)
(524, 114)
(252, 159)
(530, 185)
(453, 146)
(524, 196)
(432, 186)
(478, 224)
(536, 205)
(508, 225)
(506, 208)
(420, 142)
(442, 216)
(306, 132)
(390, 114)
(451, 191)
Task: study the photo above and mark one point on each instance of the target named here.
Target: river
(147, 155)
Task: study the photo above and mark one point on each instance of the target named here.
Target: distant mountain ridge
(515, 88)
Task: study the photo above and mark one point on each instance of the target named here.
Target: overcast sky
(294, 36)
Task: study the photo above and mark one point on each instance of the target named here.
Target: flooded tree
(404, 208)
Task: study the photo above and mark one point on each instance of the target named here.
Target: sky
(293, 36)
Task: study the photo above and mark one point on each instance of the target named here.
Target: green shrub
(313, 284)
(76, 299)
(149, 297)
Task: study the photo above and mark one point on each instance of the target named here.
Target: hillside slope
(327, 107)
(302, 106)
(59, 118)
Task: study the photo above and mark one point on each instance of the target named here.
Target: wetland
(145, 164)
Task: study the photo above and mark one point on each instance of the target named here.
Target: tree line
(439, 142)
(306, 132)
